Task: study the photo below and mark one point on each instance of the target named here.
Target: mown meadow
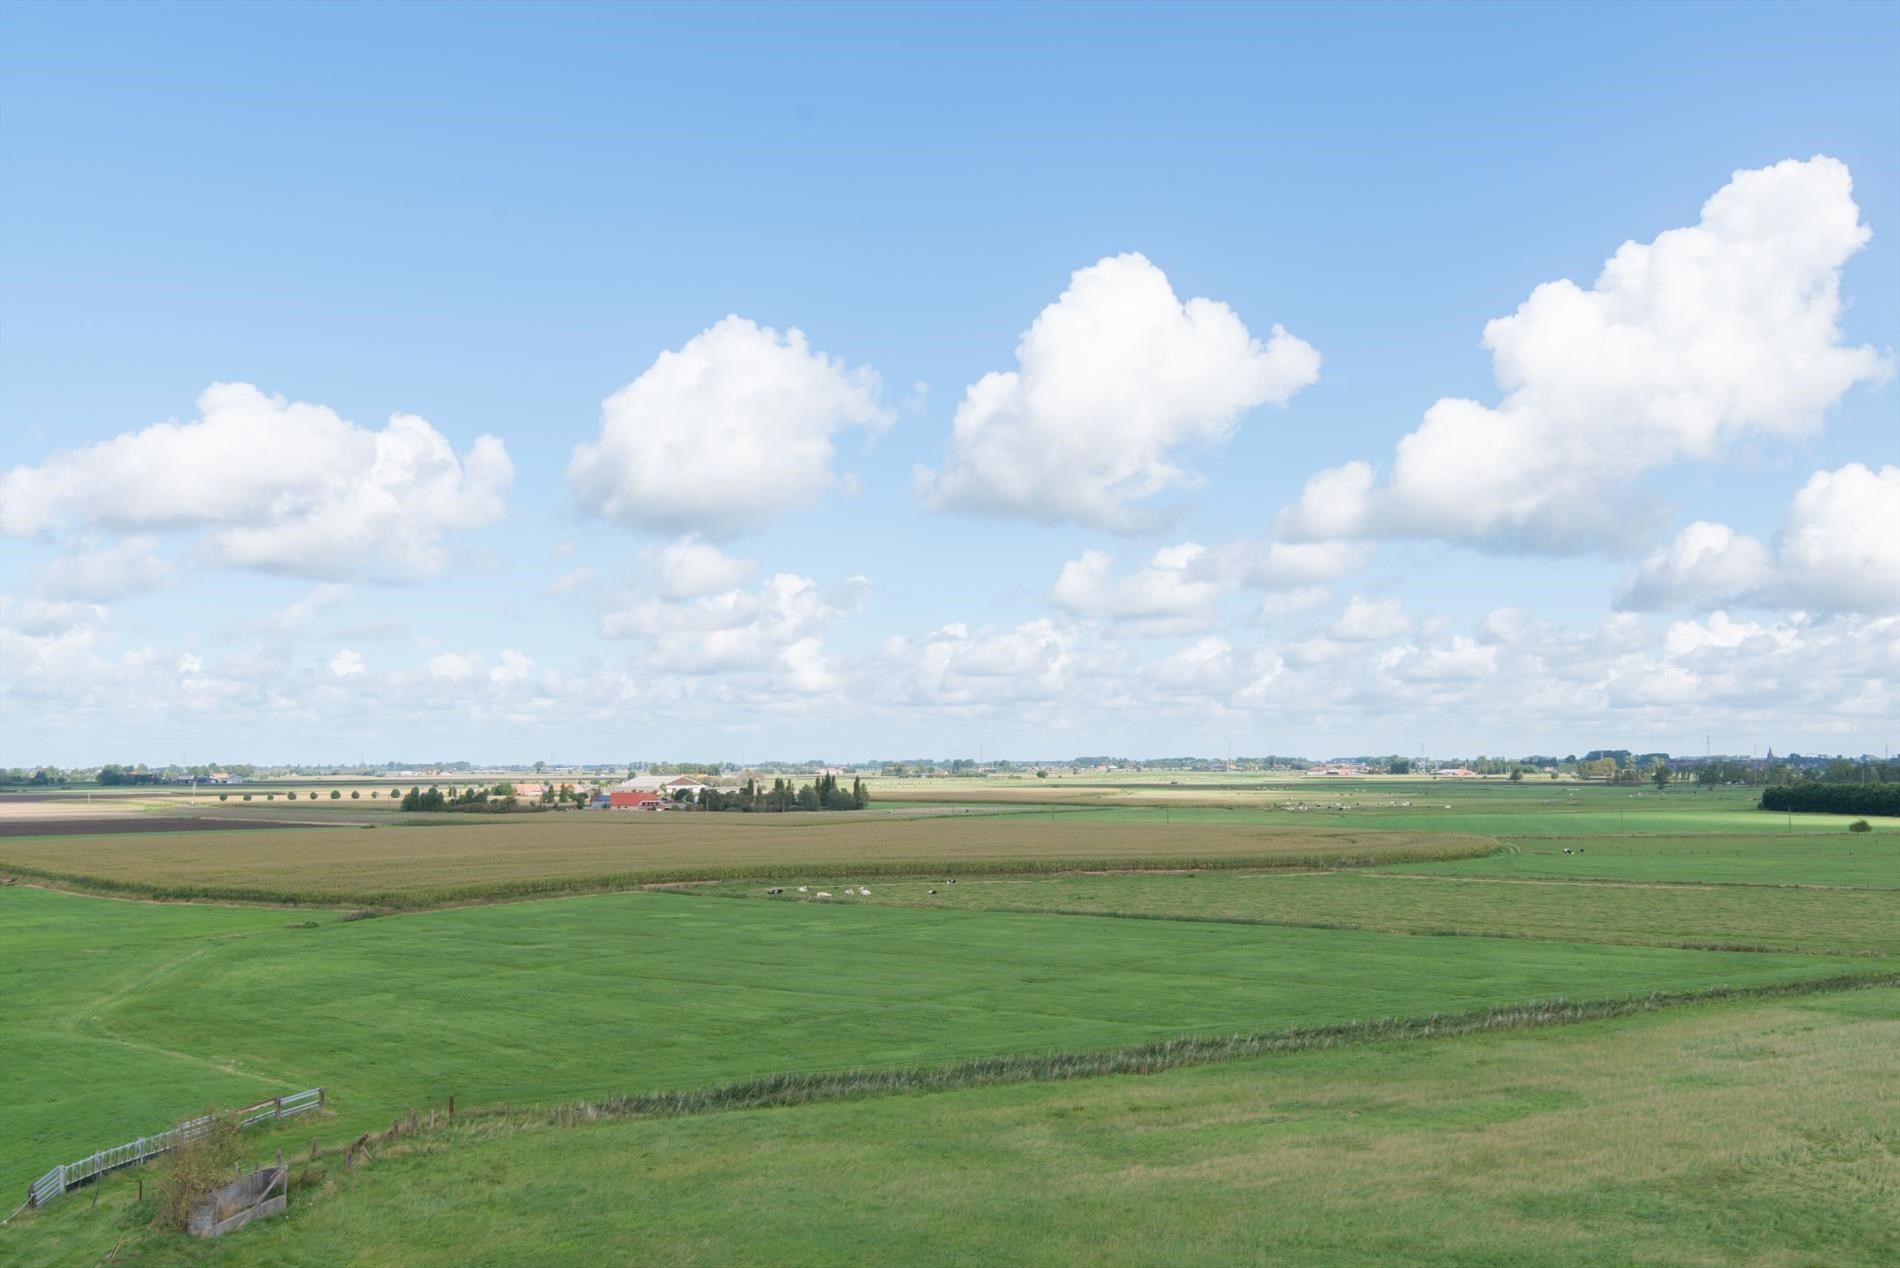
(948, 1074)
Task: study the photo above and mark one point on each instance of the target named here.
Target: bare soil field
(109, 826)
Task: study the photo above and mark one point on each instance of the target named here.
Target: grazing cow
(933, 891)
(774, 891)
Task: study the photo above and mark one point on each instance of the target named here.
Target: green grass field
(603, 995)
(1815, 920)
(1663, 1136)
(1871, 861)
(1756, 1134)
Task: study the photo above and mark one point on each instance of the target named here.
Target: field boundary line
(1615, 881)
(804, 1088)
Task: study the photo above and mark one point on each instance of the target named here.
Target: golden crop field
(519, 856)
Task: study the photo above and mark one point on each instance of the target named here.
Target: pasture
(1821, 921)
(1735, 1133)
(528, 968)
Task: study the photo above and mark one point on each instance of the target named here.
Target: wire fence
(70, 1175)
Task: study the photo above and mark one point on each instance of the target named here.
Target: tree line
(1839, 799)
(825, 793)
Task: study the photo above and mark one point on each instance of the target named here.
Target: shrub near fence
(71, 1175)
(1839, 799)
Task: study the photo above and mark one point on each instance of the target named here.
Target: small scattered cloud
(101, 574)
(1367, 620)
(690, 568)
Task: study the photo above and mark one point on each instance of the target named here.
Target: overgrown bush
(195, 1169)
(1860, 825)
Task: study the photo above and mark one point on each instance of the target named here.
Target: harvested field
(12, 827)
(402, 867)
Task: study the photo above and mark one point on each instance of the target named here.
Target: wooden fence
(71, 1175)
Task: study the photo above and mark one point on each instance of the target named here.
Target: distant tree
(247, 796)
(1042, 774)
(224, 796)
(356, 794)
(1660, 776)
(1400, 766)
(336, 794)
(1517, 774)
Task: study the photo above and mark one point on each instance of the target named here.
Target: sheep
(821, 894)
(933, 891)
(803, 888)
(863, 892)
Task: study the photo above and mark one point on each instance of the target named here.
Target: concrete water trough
(257, 1196)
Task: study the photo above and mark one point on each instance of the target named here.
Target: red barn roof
(632, 800)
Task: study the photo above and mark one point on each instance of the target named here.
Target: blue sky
(496, 217)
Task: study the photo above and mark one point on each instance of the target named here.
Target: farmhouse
(668, 786)
(617, 800)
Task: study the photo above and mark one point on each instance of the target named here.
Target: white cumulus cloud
(1111, 380)
(282, 486)
(1725, 329)
(1838, 550)
(724, 434)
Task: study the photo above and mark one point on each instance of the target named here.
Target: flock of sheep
(844, 891)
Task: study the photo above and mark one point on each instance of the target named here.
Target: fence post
(278, 1112)
(319, 1098)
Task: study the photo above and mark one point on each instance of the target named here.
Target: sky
(598, 383)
